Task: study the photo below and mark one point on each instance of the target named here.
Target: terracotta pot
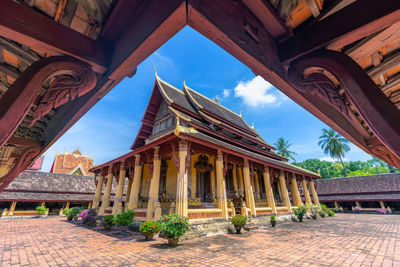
(149, 237)
(173, 242)
(238, 229)
(273, 223)
(69, 218)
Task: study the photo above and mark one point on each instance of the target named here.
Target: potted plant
(149, 229)
(41, 210)
(321, 213)
(239, 221)
(300, 211)
(272, 220)
(71, 213)
(107, 222)
(173, 226)
(314, 211)
(124, 219)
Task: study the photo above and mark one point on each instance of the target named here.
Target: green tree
(282, 148)
(334, 144)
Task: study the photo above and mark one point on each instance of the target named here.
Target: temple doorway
(204, 186)
(277, 193)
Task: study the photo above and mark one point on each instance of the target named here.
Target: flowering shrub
(150, 227)
(381, 211)
(88, 217)
(239, 220)
(358, 209)
(124, 219)
(173, 225)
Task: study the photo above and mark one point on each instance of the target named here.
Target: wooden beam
(391, 83)
(371, 44)
(23, 142)
(18, 51)
(27, 26)
(386, 65)
(352, 23)
(9, 71)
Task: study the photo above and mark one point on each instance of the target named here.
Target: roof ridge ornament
(155, 72)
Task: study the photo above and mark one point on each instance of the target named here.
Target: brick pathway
(344, 240)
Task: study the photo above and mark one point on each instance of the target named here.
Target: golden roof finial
(155, 71)
(252, 126)
(240, 114)
(184, 84)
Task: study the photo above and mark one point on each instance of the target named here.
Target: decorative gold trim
(210, 118)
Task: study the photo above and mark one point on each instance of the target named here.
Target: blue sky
(110, 127)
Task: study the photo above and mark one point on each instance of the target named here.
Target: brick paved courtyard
(345, 240)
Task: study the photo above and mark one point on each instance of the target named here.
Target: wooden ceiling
(112, 37)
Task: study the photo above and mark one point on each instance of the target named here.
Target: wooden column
(268, 190)
(382, 204)
(194, 177)
(285, 193)
(295, 192)
(90, 205)
(213, 191)
(257, 185)
(240, 171)
(307, 197)
(107, 191)
(12, 208)
(99, 188)
(335, 204)
(117, 207)
(128, 191)
(154, 184)
(221, 188)
(235, 181)
(249, 190)
(314, 193)
(134, 195)
(182, 182)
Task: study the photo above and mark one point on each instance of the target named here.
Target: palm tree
(282, 148)
(334, 144)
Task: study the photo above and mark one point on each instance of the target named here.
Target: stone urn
(173, 242)
(149, 237)
(238, 229)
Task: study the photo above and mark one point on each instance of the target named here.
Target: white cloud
(258, 92)
(327, 158)
(226, 93)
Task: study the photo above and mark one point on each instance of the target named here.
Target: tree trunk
(344, 167)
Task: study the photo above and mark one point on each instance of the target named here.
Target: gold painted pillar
(307, 197)
(213, 191)
(107, 191)
(382, 204)
(194, 176)
(295, 192)
(43, 204)
(222, 201)
(285, 193)
(235, 182)
(335, 205)
(99, 188)
(314, 193)
(268, 190)
(154, 184)
(182, 182)
(240, 171)
(117, 207)
(12, 208)
(128, 191)
(249, 190)
(90, 205)
(134, 195)
(257, 184)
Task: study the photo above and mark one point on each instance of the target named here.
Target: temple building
(194, 157)
(371, 192)
(65, 186)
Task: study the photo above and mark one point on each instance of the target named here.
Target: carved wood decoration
(149, 164)
(174, 157)
(26, 159)
(326, 73)
(18, 100)
(187, 159)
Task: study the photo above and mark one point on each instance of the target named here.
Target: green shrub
(41, 210)
(272, 218)
(150, 227)
(322, 213)
(239, 220)
(300, 211)
(330, 213)
(72, 212)
(107, 221)
(124, 218)
(173, 225)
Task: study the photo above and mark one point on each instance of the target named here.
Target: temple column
(235, 182)
(295, 192)
(213, 191)
(382, 204)
(257, 185)
(194, 177)
(117, 207)
(222, 202)
(335, 205)
(12, 208)
(182, 182)
(90, 205)
(107, 191)
(285, 193)
(99, 188)
(154, 184)
(314, 193)
(268, 190)
(134, 194)
(128, 191)
(249, 190)
(240, 171)
(307, 197)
